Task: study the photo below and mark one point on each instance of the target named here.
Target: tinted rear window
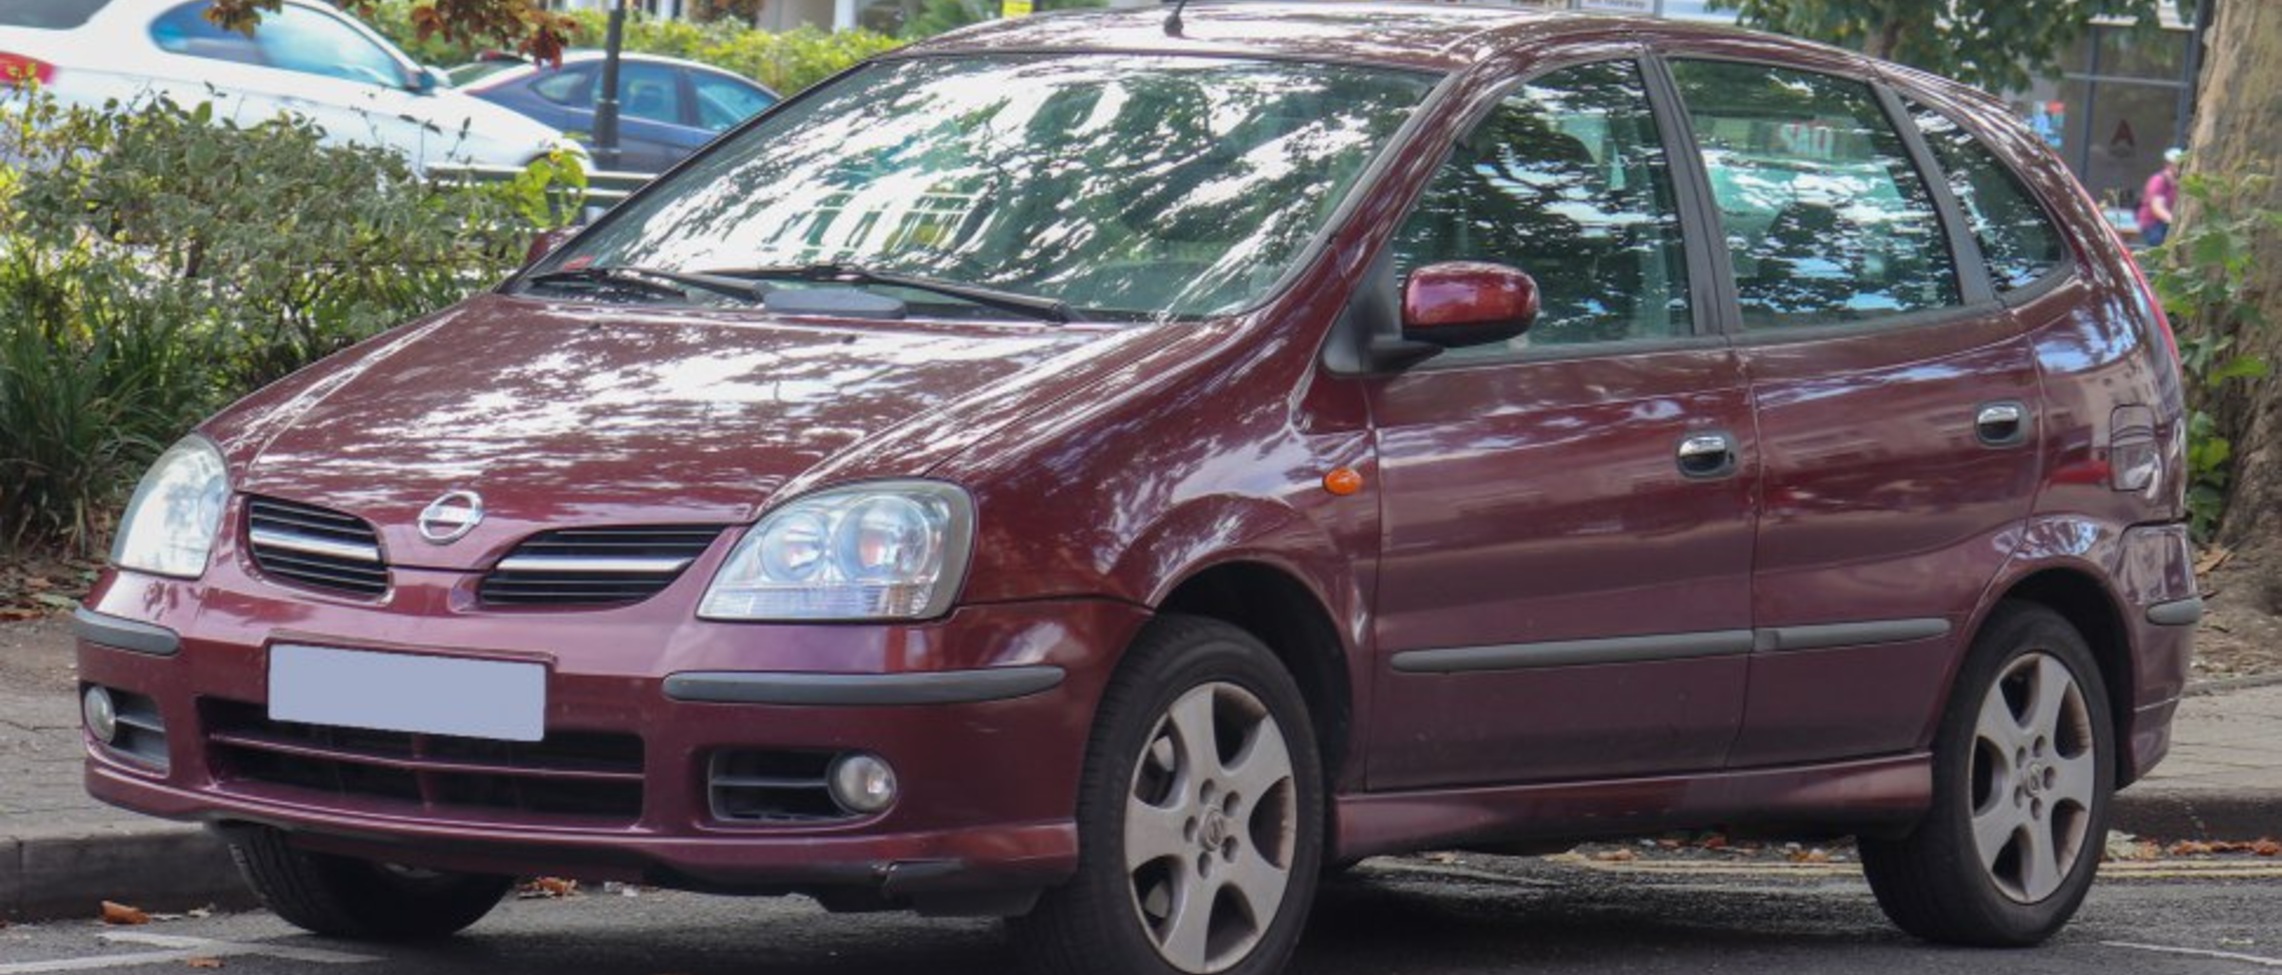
(49, 14)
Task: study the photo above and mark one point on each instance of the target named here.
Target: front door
(1564, 585)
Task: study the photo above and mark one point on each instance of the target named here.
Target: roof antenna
(1173, 20)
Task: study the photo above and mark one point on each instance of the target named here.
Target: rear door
(1564, 585)
(1897, 404)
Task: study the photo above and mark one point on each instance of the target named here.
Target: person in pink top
(2159, 198)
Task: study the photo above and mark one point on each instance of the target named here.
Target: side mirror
(428, 79)
(1460, 303)
(545, 242)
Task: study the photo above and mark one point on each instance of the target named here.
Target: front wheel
(1200, 816)
(2023, 766)
(350, 898)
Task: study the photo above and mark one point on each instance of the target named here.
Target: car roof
(586, 55)
(1434, 36)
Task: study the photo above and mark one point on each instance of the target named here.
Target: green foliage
(2000, 45)
(785, 62)
(942, 16)
(156, 263)
(2200, 276)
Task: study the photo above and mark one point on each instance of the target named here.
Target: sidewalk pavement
(62, 853)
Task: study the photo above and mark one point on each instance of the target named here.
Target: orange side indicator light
(1343, 481)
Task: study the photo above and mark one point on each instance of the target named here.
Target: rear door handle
(1707, 455)
(2001, 424)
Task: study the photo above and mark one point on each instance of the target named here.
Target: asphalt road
(1478, 915)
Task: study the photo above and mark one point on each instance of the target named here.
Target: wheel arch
(2079, 597)
(1277, 607)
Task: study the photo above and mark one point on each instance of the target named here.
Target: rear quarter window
(48, 14)
(2017, 238)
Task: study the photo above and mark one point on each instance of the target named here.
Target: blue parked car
(667, 107)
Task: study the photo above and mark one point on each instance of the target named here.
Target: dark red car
(1103, 470)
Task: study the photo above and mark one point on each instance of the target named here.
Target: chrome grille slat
(315, 547)
(595, 566)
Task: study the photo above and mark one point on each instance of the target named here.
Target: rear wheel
(2024, 766)
(351, 898)
(1200, 817)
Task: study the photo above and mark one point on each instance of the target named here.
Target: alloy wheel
(2034, 775)
(1211, 822)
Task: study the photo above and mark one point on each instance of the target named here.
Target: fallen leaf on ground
(117, 913)
(1616, 856)
(2190, 848)
(203, 962)
(1810, 856)
(546, 888)
(2266, 848)
(1443, 858)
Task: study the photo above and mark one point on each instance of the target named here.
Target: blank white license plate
(499, 699)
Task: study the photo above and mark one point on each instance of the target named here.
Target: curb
(161, 867)
(2198, 814)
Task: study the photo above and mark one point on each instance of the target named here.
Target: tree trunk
(2238, 131)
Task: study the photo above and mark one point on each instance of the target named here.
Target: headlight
(170, 524)
(890, 550)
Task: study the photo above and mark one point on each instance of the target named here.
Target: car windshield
(1121, 186)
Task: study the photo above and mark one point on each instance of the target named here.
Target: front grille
(315, 547)
(774, 787)
(584, 778)
(595, 566)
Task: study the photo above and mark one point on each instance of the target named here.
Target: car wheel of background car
(351, 898)
(1200, 816)
(2023, 768)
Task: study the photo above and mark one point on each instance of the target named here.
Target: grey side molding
(1574, 653)
(825, 690)
(125, 634)
(2179, 612)
(1821, 636)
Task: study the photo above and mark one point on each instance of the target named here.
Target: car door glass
(571, 87)
(305, 40)
(185, 30)
(2017, 238)
(723, 102)
(649, 92)
(1826, 218)
(1568, 181)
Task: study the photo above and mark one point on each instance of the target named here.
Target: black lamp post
(606, 106)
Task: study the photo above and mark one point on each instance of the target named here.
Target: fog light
(102, 714)
(862, 783)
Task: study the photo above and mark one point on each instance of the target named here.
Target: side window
(2017, 239)
(304, 40)
(1565, 180)
(185, 30)
(723, 102)
(649, 91)
(571, 87)
(1826, 218)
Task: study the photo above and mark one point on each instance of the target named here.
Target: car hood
(565, 415)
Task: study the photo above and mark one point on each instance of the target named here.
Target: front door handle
(1707, 455)
(2001, 424)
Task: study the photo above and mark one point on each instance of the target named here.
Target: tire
(346, 897)
(1199, 842)
(2024, 767)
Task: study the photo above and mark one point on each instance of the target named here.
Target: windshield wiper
(1047, 309)
(650, 279)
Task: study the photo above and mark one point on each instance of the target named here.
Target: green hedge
(156, 263)
(785, 62)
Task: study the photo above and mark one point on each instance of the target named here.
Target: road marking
(2199, 953)
(2119, 871)
(180, 950)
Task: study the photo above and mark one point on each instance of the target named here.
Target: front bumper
(983, 715)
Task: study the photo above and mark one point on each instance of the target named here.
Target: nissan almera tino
(1105, 472)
